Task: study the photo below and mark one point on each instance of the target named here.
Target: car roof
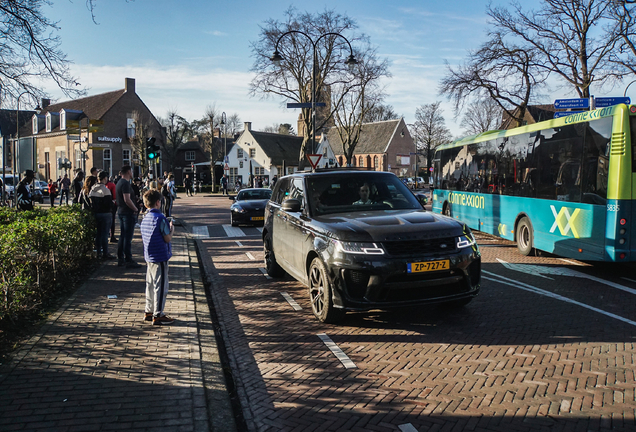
(326, 172)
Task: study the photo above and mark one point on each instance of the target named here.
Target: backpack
(164, 190)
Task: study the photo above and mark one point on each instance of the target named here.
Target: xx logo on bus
(565, 221)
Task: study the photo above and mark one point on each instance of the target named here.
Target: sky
(187, 55)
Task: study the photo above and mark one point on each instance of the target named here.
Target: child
(156, 233)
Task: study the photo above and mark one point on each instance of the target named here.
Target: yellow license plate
(257, 218)
(427, 266)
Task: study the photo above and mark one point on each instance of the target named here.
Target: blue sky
(188, 54)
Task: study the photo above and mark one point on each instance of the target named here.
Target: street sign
(305, 105)
(572, 103)
(227, 167)
(559, 114)
(314, 159)
(99, 146)
(609, 101)
(226, 160)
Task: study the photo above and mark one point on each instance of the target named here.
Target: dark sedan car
(361, 240)
(249, 206)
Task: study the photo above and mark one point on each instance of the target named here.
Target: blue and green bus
(565, 186)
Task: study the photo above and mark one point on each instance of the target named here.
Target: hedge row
(39, 249)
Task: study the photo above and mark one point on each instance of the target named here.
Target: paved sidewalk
(97, 365)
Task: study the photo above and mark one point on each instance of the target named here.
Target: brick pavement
(96, 365)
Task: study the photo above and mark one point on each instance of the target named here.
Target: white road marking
(571, 262)
(260, 229)
(340, 355)
(539, 270)
(527, 287)
(264, 271)
(291, 301)
(408, 427)
(231, 231)
(239, 243)
(250, 256)
(201, 231)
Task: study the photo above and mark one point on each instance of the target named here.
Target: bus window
(596, 161)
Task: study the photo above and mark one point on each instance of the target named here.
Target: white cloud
(188, 91)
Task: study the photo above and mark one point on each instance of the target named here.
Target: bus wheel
(525, 237)
(447, 210)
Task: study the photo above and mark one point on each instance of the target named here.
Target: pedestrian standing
(113, 208)
(127, 212)
(102, 204)
(259, 182)
(224, 182)
(52, 192)
(83, 199)
(23, 192)
(156, 232)
(187, 183)
(78, 184)
(65, 187)
(170, 195)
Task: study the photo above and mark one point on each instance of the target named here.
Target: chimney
(44, 103)
(130, 85)
(247, 126)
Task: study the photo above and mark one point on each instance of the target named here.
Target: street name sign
(572, 103)
(98, 146)
(609, 101)
(314, 159)
(559, 114)
(304, 105)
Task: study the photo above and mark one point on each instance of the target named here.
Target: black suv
(361, 240)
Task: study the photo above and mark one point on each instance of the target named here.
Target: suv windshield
(255, 194)
(341, 193)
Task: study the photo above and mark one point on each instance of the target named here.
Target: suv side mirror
(291, 205)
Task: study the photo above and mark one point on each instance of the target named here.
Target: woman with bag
(101, 203)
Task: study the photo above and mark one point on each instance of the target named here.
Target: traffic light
(152, 150)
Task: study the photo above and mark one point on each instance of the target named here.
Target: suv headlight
(359, 248)
(466, 240)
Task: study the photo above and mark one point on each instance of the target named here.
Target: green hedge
(39, 250)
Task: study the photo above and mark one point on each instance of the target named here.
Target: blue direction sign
(566, 113)
(572, 103)
(304, 105)
(609, 101)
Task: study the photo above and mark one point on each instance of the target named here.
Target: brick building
(51, 136)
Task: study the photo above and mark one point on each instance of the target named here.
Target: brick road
(511, 360)
(96, 365)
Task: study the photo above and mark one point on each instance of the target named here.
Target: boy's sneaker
(162, 320)
(148, 316)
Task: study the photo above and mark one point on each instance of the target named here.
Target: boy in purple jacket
(156, 232)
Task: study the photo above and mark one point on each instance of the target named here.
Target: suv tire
(320, 294)
(272, 267)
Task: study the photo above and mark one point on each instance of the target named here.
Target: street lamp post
(625, 92)
(224, 123)
(277, 58)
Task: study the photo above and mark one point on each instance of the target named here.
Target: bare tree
(430, 130)
(481, 116)
(234, 125)
(292, 79)
(568, 37)
(357, 98)
(138, 140)
(178, 132)
(624, 15)
(499, 70)
(280, 128)
(29, 51)
(381, 112)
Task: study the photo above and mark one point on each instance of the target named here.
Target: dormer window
(34, 124)
(63, 120)
(48, 122)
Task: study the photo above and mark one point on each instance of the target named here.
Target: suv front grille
(421, 247)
